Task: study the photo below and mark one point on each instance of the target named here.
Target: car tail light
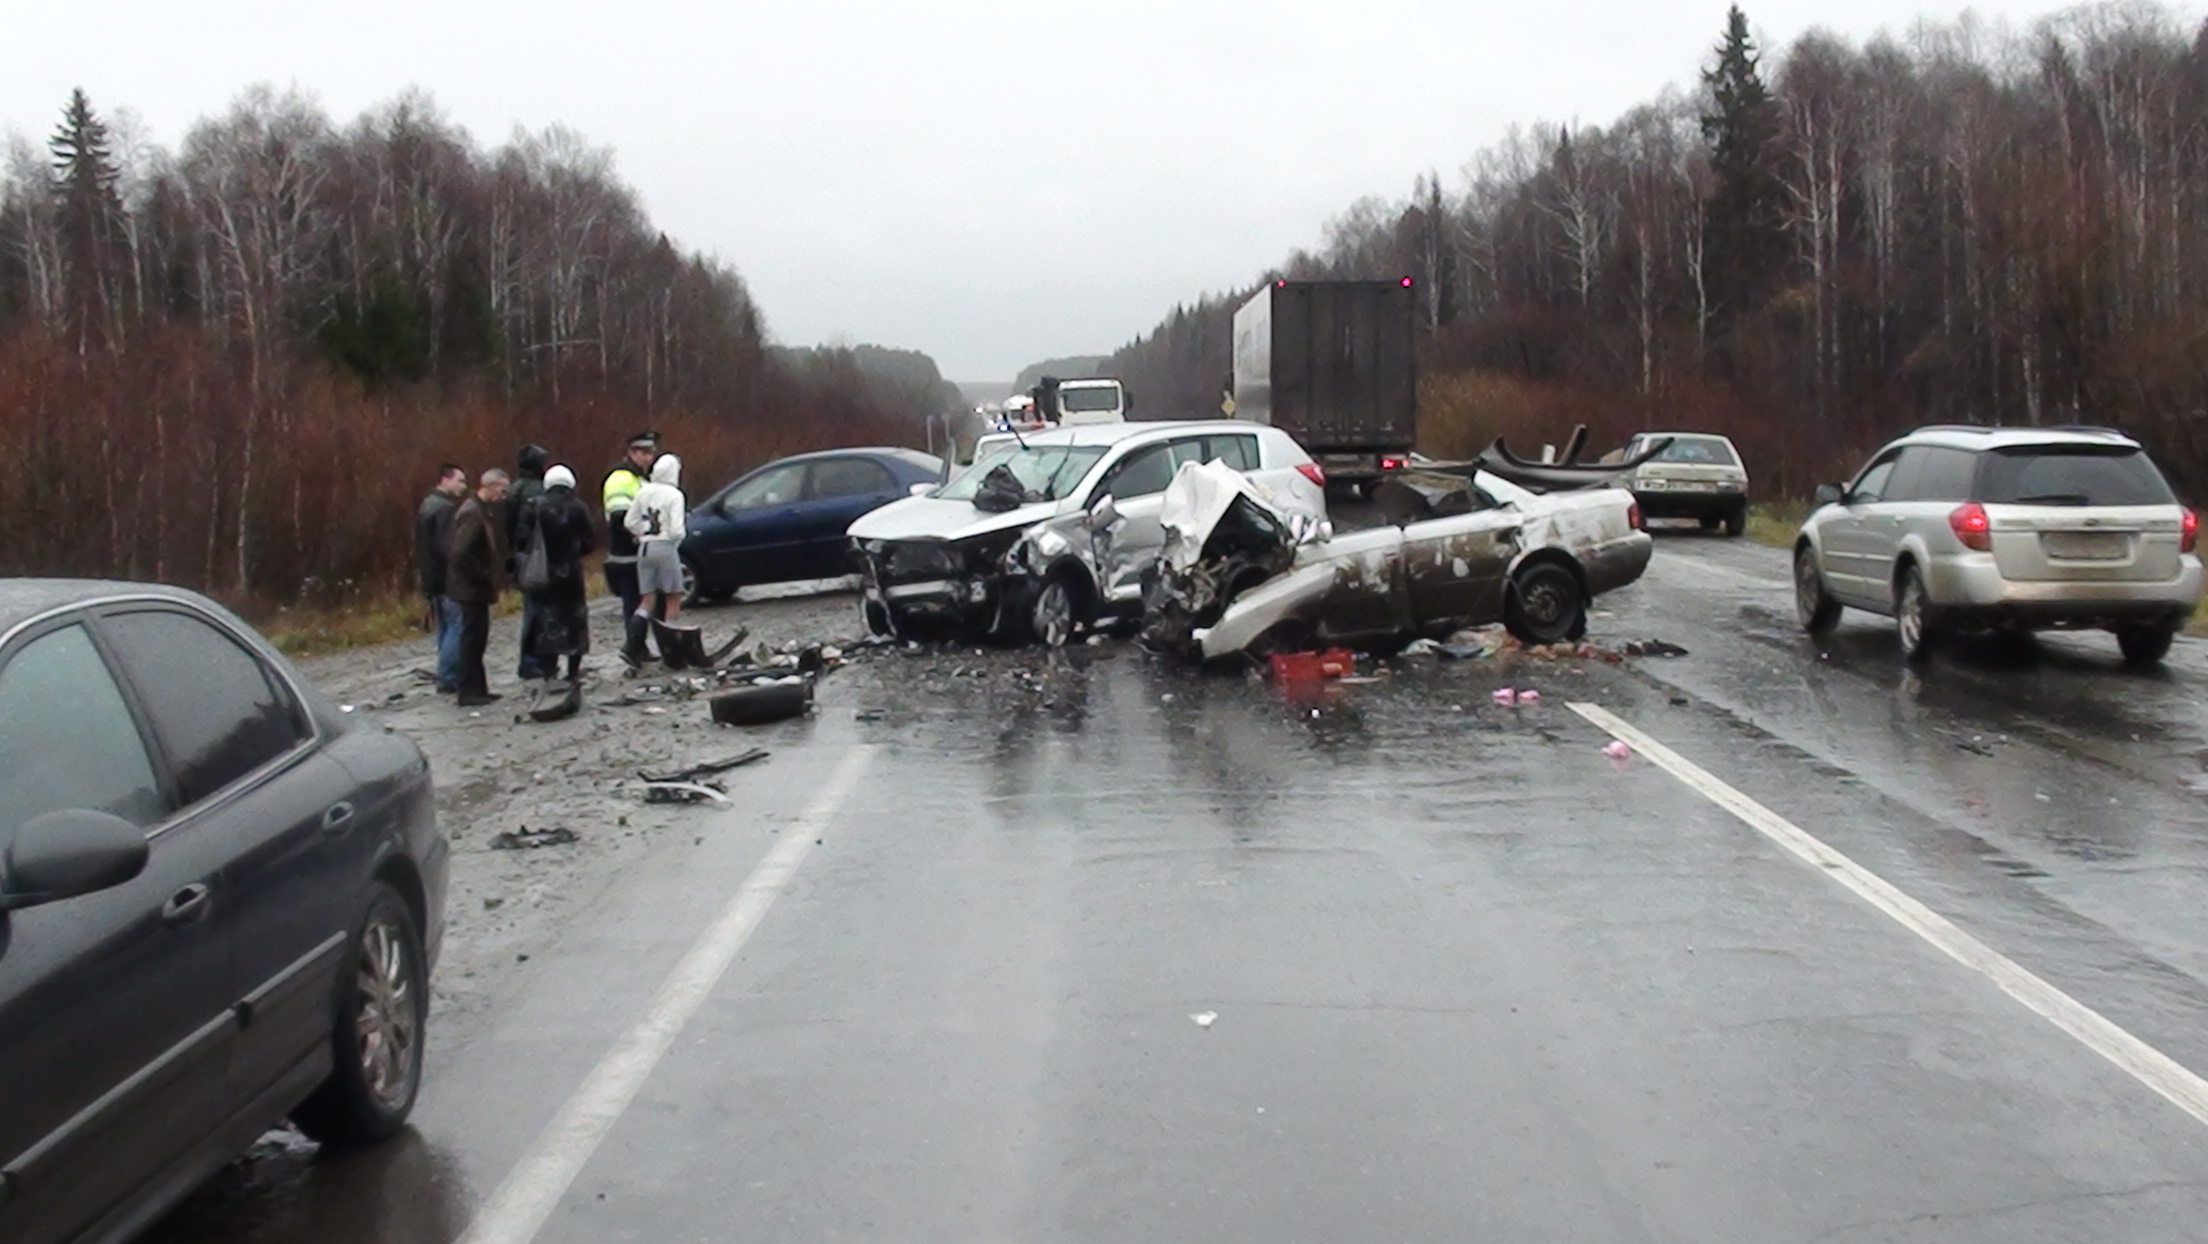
(1972, 527)
(1314, 472)
(1633, 515)
(1393, 464)
(2191, 538)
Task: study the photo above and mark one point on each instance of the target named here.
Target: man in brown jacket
(472, 571)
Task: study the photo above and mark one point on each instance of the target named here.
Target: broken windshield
(1044, 472)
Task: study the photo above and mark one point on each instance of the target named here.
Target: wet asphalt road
(1471, 978)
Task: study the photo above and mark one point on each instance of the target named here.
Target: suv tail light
(1394, 464)
(1314, 472)
(1633, 515)
(1972, 527)
(2187, 542)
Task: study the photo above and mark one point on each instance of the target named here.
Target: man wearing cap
(622, 485)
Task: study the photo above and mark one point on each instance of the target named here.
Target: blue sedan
(785, 521)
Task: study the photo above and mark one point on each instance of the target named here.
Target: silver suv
(1955, 528)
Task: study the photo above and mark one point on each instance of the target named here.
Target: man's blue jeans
(448, 643)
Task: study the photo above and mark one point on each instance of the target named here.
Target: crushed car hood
(932, 518)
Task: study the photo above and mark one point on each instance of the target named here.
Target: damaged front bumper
(935, 588)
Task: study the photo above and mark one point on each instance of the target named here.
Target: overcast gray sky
(992, 181)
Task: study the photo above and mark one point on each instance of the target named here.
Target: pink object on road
(1529, 696)
(1506, 697)
(1617, 750)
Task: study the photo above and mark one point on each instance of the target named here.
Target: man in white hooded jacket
(656, 520)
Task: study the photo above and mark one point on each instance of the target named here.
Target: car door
(1136, 485)
(1849, 547)
(248, 764)
(116, 1019)
(837, 492)
(1454, 568)
(759, 530)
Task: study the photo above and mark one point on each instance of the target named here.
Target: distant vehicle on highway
(1699, 476)
(1333, 364)
(1006, 548)
(1957, 528)
(220, 901)
(786, 521)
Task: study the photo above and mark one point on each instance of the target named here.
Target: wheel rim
(388, 1016)
(1809, 591)
(1054, 615)
(1545, 601)
(1911, 615)
(689, 580)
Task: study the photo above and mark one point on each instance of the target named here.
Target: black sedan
(785, 521)
(220, 899)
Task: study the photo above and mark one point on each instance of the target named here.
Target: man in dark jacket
(528, 486)
(559, 624)
(432, 537)
(475, 565)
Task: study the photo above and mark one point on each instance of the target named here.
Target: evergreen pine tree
(89, 210)
(1747, 246)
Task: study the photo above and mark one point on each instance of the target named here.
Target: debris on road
(687, 792)
(1617, 750)
(708, 768)
(760, 704)
(545, 705)
(527, 839)
(1205, 1019)
(1651, 648)
(1310, 666)
(1505, 697)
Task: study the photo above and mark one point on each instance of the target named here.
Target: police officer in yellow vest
(622, 484)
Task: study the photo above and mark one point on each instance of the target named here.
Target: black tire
(2146, 645)
(1914, 619)
(1708, 522)
(382, 1000)
(1814, 607)
(1052, 612)
(1736, 523)
(1545, 605)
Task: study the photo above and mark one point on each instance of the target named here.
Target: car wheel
(1913, 617)
(2145, 645)
(1817, 611)
(376, 1037)
(1735, 524)
(1708, 522)
(1545, 605)
(1050, 614)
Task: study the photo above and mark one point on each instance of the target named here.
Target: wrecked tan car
(1234, 579)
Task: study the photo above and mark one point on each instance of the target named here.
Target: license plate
(1345, 460)
(1695, 485)
(2086, 546)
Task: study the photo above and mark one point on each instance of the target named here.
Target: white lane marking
(532, 1190)
(1692, 565)
(2142, 1062)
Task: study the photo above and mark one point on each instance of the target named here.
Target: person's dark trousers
(475, 641)
(621, 581)
(532, 666)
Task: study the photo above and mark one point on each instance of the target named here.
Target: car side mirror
(1830, 494)
(1104, 513)
(921, 490)
(64, 854)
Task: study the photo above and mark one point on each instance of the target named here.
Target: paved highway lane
(1464, 975)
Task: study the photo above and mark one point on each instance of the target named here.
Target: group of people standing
(534, 532)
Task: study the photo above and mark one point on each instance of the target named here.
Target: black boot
(633, 650)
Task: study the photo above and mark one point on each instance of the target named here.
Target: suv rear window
(2071, 475)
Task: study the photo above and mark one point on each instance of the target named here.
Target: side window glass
(1871, 485)
(1908, 477)
(1946, 474)
(1145, 472)
(849, 477)
(217, 712)
(1238, 452)
(780, 486)
(67, 739)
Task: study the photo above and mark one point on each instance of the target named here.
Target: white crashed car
(1239, 577)
(1011, 548)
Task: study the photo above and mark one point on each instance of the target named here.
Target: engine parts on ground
(759, 705)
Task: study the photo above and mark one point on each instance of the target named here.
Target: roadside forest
(1812, 250)
(235, 365)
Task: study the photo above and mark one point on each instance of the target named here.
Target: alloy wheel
(388, 1014)
(1053, 616)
